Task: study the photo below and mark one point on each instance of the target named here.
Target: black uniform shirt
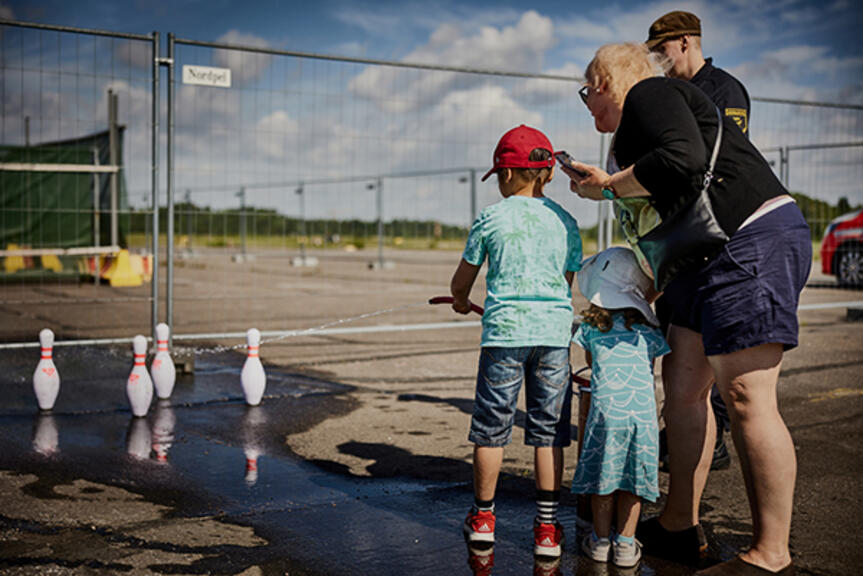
(726, 91)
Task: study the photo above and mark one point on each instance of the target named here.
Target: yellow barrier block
(13, 263)
(51, 262)
(120, 273)
(142, 265)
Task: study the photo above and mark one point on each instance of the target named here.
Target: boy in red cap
(533, 249)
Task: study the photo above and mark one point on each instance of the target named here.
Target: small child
(533, 249)
(619, 457)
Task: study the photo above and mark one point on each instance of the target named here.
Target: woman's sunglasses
(585, 90)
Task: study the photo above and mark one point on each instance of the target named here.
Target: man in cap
(677, 35)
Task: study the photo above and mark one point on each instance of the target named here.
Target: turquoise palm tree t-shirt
(530, 243)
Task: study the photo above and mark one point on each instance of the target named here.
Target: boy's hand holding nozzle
(465, 307)
(461, 306)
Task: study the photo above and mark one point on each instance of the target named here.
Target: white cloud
(803, 72)
(536, 91)
(244, 65)
(583, 29)
(275, 133)
(514, 48)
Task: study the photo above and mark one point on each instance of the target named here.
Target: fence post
(472, 195)
(97, 181)
(113, 158)
(301, 192)
(601, 222)
(169, 279)
(242, 196)
(189, 219)
(783, 165)
(154, 313)
(380, 203)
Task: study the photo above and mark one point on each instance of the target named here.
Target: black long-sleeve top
(667, 130)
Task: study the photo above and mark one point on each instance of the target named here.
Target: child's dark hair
(603, 319)
(531, 174)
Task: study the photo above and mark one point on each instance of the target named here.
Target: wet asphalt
(205, 459)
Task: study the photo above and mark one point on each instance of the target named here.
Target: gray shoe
(626, 554)
(599, 550)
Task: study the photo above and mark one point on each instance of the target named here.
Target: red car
(842, 249)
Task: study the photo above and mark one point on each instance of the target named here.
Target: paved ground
(364, 465)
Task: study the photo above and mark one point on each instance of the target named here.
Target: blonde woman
(732, 317)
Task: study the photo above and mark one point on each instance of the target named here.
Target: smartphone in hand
(566, 160)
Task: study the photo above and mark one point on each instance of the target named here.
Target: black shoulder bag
(688, 236)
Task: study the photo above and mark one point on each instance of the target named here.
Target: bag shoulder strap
(708, 176)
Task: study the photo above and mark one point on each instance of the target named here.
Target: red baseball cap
(514, 148)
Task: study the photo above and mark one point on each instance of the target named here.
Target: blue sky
(779, 48)
(288, 120)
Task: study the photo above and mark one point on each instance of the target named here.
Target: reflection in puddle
(45, 435)
(164, 422)
(138, 438)
(480, 559)
(253, 421)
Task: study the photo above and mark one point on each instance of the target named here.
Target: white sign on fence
(207, 76)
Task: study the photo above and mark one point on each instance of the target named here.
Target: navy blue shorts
(748, 294)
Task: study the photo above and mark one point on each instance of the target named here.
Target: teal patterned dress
(620, 450)
(530, 244)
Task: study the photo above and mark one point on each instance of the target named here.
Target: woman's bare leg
(747, 380)
(690, 426)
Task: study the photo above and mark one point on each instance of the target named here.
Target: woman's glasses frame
(584, 92)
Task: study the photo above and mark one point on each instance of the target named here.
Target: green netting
(55, 209)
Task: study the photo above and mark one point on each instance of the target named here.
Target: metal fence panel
(310, 165)
(75, 164)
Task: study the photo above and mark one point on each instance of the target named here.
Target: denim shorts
(748, 294)
(548, 396)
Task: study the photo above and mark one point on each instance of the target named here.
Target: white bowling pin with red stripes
(253, 377)
(46, 379)
(162, 368)
(139, 387)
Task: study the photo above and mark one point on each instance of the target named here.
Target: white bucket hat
(613, 280)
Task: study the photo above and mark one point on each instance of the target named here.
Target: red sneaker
(479, 526)
(547, 539)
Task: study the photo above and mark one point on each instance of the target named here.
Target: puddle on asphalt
(205, 455)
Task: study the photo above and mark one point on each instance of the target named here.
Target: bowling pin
(46, 379)
(162, 368)
(138, 439)
(163, 430)
(45, 435)
(253, 377)
(139, 387)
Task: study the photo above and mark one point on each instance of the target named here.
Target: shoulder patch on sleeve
(740, 117)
